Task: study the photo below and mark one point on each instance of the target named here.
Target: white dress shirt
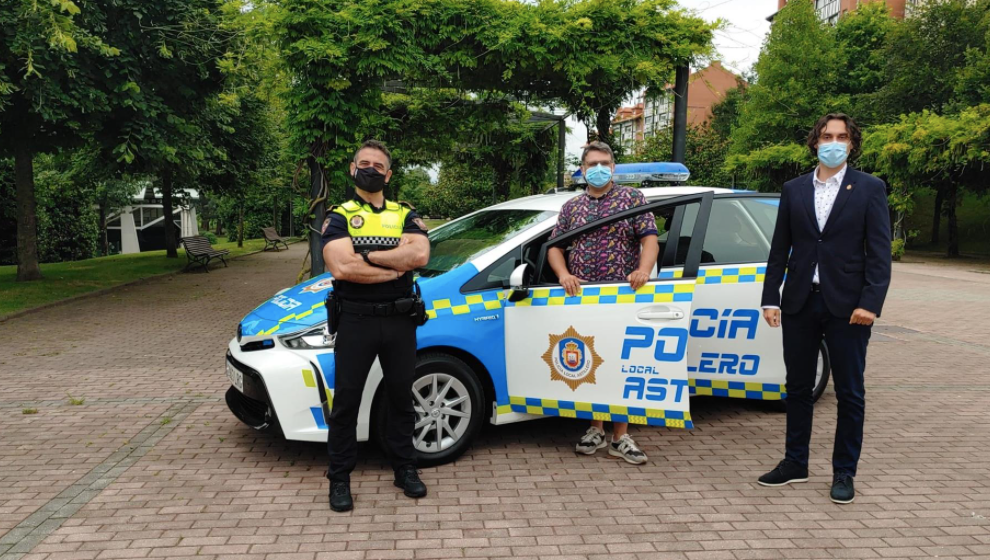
(825, 194)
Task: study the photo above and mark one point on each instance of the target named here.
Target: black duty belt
(402, 306)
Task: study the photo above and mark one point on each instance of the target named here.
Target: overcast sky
(737, 43)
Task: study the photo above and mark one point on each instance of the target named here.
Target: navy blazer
(852, 251)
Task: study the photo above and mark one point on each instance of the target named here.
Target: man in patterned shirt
(625, 251)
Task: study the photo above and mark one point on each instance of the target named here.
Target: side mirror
(519, 283)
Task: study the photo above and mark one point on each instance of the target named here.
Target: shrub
(897, 249)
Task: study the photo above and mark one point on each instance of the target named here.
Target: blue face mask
(598, 176)
(833, 154)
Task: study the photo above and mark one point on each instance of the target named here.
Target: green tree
(170, 79)
(612, 49)
(937, 60)
(704, 156)
(726, 113)
(861, 37)
(926, 55)
(252, 165)
(412, 186)
(930, 150)
(67, 221)
(586, 56)
(797, 72)
(53, 88)
(806, 69)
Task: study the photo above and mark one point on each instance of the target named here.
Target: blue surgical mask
(598, 176)
(833, 154)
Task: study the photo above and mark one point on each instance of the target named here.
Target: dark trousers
(360, 338)
(803, 332)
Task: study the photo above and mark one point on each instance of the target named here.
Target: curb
(104, 291)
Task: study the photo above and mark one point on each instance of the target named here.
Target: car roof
(554, 201)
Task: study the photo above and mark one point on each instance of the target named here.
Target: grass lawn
(64, 280)
(434, 223)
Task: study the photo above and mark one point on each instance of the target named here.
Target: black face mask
(368, 179)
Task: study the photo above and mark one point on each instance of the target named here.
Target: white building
(141, 226)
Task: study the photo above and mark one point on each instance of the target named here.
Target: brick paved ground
(152, 465)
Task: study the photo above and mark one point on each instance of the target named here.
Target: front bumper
(284, 381)
(253, 406)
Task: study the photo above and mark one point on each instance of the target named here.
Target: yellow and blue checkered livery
(739, 275)
(737, 389)
(608, 295)
(484, 301)
(605, 412)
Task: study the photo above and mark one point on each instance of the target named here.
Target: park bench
(272, 238)
(199, 251)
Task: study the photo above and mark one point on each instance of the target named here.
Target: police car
(504, 343)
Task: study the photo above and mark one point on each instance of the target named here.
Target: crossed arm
(413, 252)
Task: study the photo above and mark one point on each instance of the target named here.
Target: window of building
(149, 214)
(911, 6)
(828, 10)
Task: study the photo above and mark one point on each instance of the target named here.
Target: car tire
(464, 388)
(820, 385)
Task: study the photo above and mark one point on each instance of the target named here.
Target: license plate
(236, 377)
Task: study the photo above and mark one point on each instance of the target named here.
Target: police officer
(371, 247)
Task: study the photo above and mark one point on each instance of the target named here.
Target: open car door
(609, 353)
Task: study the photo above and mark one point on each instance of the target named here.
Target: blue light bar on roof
(635, 173)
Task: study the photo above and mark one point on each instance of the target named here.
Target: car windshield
(468, 238)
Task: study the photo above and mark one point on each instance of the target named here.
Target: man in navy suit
(832, 239)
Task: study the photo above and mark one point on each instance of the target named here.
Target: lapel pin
(849, 187)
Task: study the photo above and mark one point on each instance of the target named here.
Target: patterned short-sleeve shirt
(611, 253)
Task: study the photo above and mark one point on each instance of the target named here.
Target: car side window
(665, 219)
(734, 236)
(496, 276)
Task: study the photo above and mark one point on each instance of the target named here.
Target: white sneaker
(591, 441)
(627, 449)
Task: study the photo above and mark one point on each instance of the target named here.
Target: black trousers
(803, 332)
(361, 338)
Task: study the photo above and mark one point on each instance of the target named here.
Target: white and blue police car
(504, 343)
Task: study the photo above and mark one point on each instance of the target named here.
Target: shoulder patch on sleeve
(420, 223)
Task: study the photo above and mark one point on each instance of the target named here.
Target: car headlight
(315, 338)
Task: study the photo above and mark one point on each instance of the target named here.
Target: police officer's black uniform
(375, 321)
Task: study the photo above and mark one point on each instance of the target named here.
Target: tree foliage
(586, 56)
(861, 37)
(807, 69)
(930, 150)
(52, 89)
(704, 156)
(345, 56)
(797, 72)
(930, 53)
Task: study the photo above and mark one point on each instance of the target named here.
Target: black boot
(408, 479)
(340, 496)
